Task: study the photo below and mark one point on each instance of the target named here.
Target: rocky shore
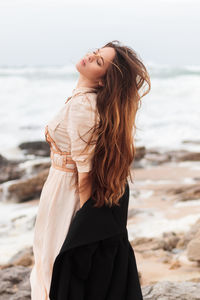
(163, 220)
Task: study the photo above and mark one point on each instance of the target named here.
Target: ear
(101, 83)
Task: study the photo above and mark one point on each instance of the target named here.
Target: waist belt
(56, 151)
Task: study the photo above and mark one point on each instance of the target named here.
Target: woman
(81, 246)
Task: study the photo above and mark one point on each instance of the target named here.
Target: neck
(84, 82)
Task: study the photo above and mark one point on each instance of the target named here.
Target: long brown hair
(117, 104)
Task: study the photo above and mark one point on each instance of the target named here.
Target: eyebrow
(101, 57)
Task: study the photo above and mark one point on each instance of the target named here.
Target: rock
(167, 290)
(26, 189)
(183, 155)
(38, 148)
(188, 236)
(156, 158)
(192, 156)
(191, 193)
(147, 244)
(193, 248)
(186, 192)
(38, 167)
(23, 258)
(167, 242)
(140, 152)
(133, 212)
(9, 169)
(191, 142)
(170, 240)
(175, 265)
(191, 241)
(3, 160)
(15, 284)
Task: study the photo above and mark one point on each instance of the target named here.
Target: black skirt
(96, 260)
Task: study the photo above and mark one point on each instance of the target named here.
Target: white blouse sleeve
(82, 117)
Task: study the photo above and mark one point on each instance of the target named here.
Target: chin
(78, 66)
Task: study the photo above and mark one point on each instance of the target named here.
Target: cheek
(94, 71)
(90, 71)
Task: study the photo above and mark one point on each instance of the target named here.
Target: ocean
(30, 96)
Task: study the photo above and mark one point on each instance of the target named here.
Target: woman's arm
(87, 190)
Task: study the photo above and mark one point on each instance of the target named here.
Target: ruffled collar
(82, 89)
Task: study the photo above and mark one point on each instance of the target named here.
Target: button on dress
(59, 201)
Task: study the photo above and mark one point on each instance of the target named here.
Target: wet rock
(189, 235)
(38, 167)
(185, 192)
(156, 158)
(192, 156)
(167, 290)
(140, 152)
(170, 240)
(175, 265)
(37, 148)
(193, 248)
(183, 155)
(27, 189)
(191, 142)
(167, 242)
(3, 160)
(158, 255)
(147, 244)
(15, 284)
(152, 156)
(22, 258)
(191, 193)
(9, 169)
(133, 212)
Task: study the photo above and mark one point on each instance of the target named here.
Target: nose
(90, 56)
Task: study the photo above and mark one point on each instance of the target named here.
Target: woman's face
(95, 64)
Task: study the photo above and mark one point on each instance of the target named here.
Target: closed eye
(98, 63)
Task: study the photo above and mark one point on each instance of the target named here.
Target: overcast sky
(60, 32)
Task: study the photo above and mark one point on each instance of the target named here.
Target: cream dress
(58, 200)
